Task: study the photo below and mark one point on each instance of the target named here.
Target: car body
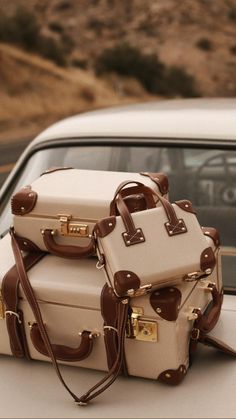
(194, 143)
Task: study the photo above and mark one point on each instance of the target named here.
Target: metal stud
(158, 310)
(167, 375)
(128, 242)
(25, 243)
(128, 276)
(186, 205)
(206, 256)
(110, 224)
(183, 228)
(22, 209)
(31, 195)
(171, 232)
(141, 238)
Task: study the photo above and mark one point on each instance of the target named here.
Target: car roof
(180, 119)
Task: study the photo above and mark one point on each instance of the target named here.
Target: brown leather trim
(134, 237)
(207, 260)
(109, 310)
(213, 234)
(125, 281)
(23, 201)
(173, 377)
(160, 179)
(178, 228)
(27, 245)
(105, 226)
(186, 205)
(55, 169)
(166, 302)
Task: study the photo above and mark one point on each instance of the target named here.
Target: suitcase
(58, 211)
(80, 314)
(152, 248)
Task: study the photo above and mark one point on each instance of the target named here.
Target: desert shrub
(80, 62)
(22, 28)
(129, 61)
(233, 50)
(56, 27)
(204, 44)
(232, 13)
(178, 82)
(148, 69)
(52, 50)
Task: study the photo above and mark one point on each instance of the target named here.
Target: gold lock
(2, 307)
(72, 228)
(145, 330)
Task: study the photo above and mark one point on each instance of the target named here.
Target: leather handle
(134, 235)
(61, 352)
(137, 198)
(71, 252)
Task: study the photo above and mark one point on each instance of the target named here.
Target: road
(9, 154)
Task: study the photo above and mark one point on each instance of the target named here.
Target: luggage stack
(139, 308)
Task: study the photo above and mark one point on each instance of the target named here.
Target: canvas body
(160, 258)
(69, 295)
(69, 202)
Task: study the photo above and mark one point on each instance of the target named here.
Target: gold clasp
(72, 228)
(145, 330)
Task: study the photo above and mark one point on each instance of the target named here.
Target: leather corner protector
(55, 169)
(23, 202)
(186, 205)
(160, 179)
(207, 260)
(166, 302)
(213, 234)
(105, 226)
(133, 238)
(178, 228)
(125, 281)
(173, 377)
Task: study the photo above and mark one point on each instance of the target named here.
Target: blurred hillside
(110, 51)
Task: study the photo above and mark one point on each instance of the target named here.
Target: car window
(205, 176)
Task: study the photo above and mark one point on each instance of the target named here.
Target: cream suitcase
(69, 294)
(152, 248)
(57, 212)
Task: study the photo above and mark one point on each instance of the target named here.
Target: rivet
(138, 230)
(180, 221)
(207, 232)
(110, 224)
(206, 256)
(183, 228)
(158, 310)
(22, 209)
(128, 275)
(25, 243)
(171, 289)
(125, 234)
(186, 205)
(128, 242)
(167, 224)
(167, 375)
(171, 232)
(31, 194)
(141, 238)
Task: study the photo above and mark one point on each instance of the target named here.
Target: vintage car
(194, 143)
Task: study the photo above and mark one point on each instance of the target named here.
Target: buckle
(195, 334)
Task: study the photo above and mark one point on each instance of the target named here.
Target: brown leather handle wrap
(70, 252)
(61, 352)
(137, 198)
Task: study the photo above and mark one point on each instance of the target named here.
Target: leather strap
(109, 310)
(122, 320)
(14, 316)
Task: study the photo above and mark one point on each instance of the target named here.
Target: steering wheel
(220, 183)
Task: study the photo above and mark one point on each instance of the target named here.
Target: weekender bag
(57, 212)
(152, 248)
(147, 336)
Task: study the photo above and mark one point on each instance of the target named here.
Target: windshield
(207, 177)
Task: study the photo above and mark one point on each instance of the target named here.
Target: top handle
(134, 235)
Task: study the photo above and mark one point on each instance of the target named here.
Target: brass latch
(2, 307)
(72, 228)
(145, 330)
